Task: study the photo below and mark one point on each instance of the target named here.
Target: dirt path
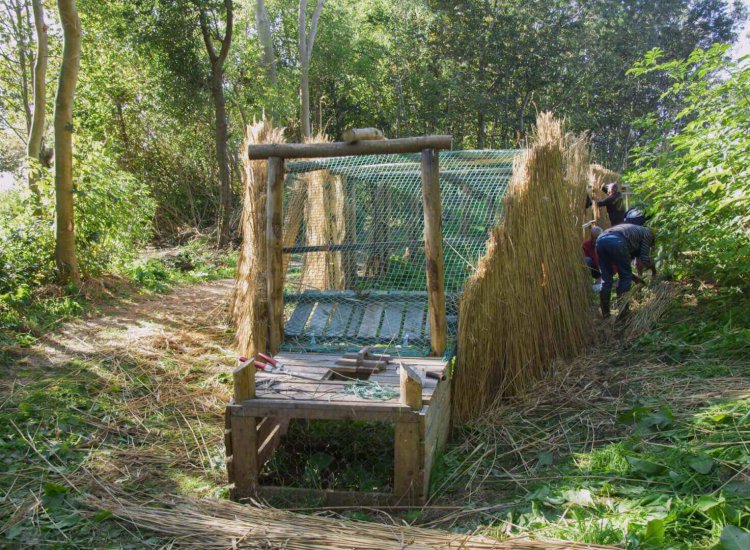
(191, 319)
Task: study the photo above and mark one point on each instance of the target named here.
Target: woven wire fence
(354, 246)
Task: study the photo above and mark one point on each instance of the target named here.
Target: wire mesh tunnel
(354, 252)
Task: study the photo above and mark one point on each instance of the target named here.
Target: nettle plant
(694, 167)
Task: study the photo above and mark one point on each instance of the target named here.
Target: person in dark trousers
(589, 252)
(618, 246)
(615, 204)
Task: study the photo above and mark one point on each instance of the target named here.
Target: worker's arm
(644, 254)
(608, 200)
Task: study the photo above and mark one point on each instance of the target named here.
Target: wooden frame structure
(307, 388)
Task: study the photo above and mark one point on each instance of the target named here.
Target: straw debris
(529, 300)
(209, 523)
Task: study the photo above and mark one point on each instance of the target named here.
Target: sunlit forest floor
(641, 443)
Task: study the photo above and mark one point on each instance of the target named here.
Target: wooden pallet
(258, 416)
(378, 317)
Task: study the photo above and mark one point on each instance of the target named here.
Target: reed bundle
(209, 523)
(599, 177)
(648, 310)
(324, 225)
(249, 304)
(529, 300)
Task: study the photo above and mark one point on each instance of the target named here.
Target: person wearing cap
(618, 246)
(589, 252)
(615, 204)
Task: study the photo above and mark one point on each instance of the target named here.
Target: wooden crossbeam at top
(341, 149)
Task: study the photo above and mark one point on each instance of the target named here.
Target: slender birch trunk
(65, 248)
(36, 134)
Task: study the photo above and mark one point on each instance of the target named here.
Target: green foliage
(694, 171)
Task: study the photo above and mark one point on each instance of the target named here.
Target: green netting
(354, 246)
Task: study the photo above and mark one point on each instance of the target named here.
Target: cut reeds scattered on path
(210, 523)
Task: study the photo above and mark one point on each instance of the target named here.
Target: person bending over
(618, 246)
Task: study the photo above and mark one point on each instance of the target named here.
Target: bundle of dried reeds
(529, 300)
(600, 176)
(647, 311)
(324, 219)
(209, 523)
(249, 299)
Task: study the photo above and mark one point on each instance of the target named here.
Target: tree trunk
(306, 41)
(225, 191)
(304, 84)
(36, 135)
(23, 65)
(265, 38)
(217, 91)
(481, 132)
(65, 248)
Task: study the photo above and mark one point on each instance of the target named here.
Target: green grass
(635, 447)
(649, 450)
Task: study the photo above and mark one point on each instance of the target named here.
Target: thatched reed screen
(354, 247)
(529, 300)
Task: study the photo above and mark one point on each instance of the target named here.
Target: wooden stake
(411, 388)
(433, 250)
(274, 256)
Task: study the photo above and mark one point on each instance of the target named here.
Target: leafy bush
(694, 171)
(113, 220)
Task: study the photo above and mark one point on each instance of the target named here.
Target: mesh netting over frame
(354, 246)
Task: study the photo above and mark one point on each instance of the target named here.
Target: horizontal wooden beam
(324, 410)
(340, 149)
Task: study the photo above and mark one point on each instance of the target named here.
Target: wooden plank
(392, 317)
(274, 256)
(433, 237)
(298, 319)
(266, 446)
(325, 410)
(339, 319)
(293, 497)
(437, 427)
(355, 320)
(319, 319)
(370, 321)
(244, 382)
(340, 149)
(244, 455)
(408, 475)
(413, 321)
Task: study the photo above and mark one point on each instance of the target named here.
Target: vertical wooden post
(274, 257)
(242, 437)
(433, 250)
(408, 476)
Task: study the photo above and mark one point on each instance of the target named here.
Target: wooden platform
(315, 387)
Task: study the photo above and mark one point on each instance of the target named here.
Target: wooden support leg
(243, 464)
(408, 483)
